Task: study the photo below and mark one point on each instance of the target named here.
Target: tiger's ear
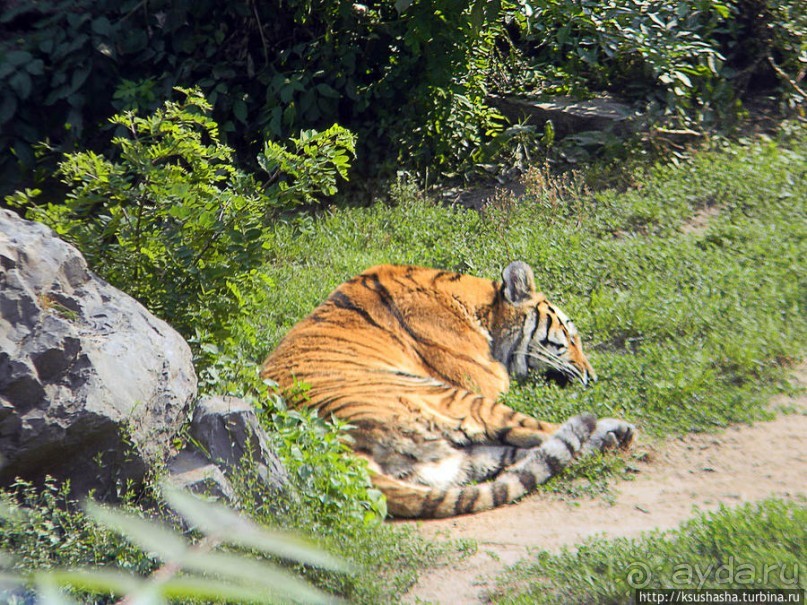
(518, 282)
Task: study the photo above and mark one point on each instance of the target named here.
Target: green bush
(172, 221)
(48, 540)
(42, 529)
(693, 59)
(410, 77)
(664, 51)
(390, 71)
(85, 551)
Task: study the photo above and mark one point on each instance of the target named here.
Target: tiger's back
(416, 359)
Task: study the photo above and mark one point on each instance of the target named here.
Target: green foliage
(450, 52)
(664, 50)
(312, 168)
(729, 548)
(172, 221)
(693, 59)
(43, 529)
(767, 43)
(270, 69)
(190, 568)
(316, 453)
(57, 69)
(410, 77)
(384, 558)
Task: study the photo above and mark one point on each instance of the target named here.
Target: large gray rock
(92, 386)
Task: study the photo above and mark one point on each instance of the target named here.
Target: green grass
(687, 332)
(752, 546)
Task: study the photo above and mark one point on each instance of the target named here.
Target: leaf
(189, 587)
(244, 571)
(8, 107)
(93, 580)
(148, 535)
(6, 69)
(240, 111)
(49, 594)
(17, 57)
(478, 16)
(327, 91)
(8, 581)
(218, 521)
(102, 26)
(21, 83)
(683, 78)
(79, 77)
(35, 67)
(722, 9)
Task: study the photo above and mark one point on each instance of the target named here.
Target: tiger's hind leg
(467, 464)
(482, 462)
(422, 455)
(470, 418)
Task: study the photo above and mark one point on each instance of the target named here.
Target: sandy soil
(741, 464)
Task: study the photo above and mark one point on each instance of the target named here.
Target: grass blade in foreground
(231, 577)
(226, 525)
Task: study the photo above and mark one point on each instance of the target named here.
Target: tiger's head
(530, 335)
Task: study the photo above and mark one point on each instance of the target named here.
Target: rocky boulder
(92, 386)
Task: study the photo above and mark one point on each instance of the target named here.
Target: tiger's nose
(589, 377)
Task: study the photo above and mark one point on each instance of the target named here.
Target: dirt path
(741, 464)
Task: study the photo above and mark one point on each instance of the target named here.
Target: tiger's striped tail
(542, 463)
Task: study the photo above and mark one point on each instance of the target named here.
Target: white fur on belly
(442, 474)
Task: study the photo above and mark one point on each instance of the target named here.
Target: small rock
(227, 430)
(191, 471)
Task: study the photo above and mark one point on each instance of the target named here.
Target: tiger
(415, 360)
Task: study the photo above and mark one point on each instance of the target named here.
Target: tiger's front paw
(609, 434)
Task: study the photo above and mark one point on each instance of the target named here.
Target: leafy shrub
(270, 69)
(661, 50)
(42, 529)
(312, 169)
(410, 77)
(765, 44)
(691, 58)
(317, 453)
(172, 221)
